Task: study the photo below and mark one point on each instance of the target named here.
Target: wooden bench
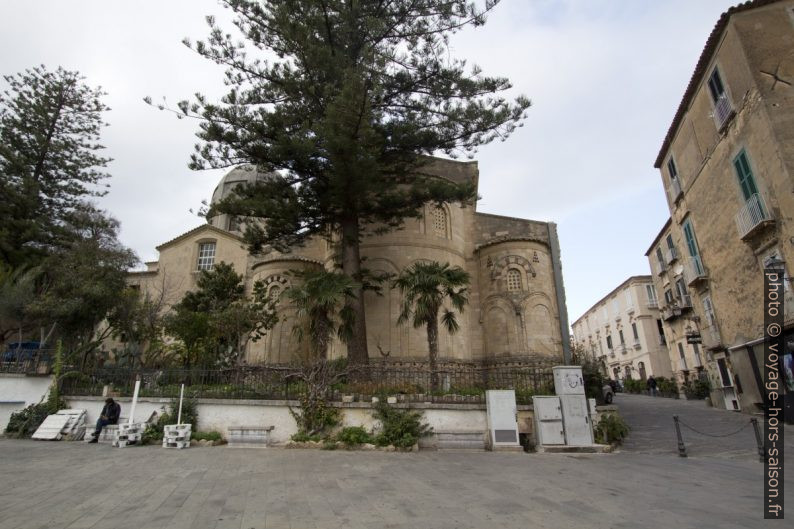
(250, 436)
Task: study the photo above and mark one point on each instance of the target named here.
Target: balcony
(671, 255)
(621, 348)
(671, 312)
(675, 190)
(723, 111)
(637, 344)
(753, 218)
(662, 267)
(652, 304)
(711, 337)
(695, 272)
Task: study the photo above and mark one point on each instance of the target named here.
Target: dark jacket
(651, 383)
(112, 411)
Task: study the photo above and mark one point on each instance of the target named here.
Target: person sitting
(110, 415)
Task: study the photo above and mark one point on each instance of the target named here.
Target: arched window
(275, 292)
(628, 372)
(641, 369)
(439, 219)
(514, 280)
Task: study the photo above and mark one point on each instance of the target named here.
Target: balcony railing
(662, 267)
(685, 302)
(752, 215)
(637, 344)
(695, 271)
(621, 348)
(675, 190)
(723, 110)
(671, 254)
(653, 304)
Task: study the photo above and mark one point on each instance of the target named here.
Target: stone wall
(19, 391)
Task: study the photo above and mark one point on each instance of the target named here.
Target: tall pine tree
(49, 160)
(345, 99)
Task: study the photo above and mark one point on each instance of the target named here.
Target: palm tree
(320, 298)
(425, 287)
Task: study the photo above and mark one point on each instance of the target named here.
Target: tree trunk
(432, 343)
(357, 352)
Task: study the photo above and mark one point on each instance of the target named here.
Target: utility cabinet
(502, 413)
(548, 421)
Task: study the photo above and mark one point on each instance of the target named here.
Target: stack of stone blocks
(128, 434)
(177, 436)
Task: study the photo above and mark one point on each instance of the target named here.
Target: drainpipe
(559, 289)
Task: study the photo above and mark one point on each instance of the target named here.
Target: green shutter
(745, 175)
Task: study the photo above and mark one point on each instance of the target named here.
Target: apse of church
(516, 296)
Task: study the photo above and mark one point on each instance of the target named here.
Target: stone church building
(516, 307)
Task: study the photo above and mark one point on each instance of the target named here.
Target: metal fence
(38, 362)
(464, 383)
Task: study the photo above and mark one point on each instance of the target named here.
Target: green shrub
(207, 436)
(399, 427)
(354, 436)
(635, 386)
(697, 389)
(315, 417)
(667, 387)
(329, 444)
(611, 429)
(25, 422)
(303, 437)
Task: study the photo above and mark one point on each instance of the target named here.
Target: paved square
(74, 485)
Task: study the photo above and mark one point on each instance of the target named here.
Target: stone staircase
(460, 440)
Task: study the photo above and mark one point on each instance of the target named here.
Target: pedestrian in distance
(651, 386)
(110, 415)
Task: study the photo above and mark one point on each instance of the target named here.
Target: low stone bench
(250, 436)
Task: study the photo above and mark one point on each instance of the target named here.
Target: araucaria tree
(426, 287)
(345, 99)
(49, 160)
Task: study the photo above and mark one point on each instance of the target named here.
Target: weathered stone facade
(622, 331)
(727, 167)
(516, 295)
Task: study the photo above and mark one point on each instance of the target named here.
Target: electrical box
(548, 421)
(568, 380)
(502, 413)
(576, 420)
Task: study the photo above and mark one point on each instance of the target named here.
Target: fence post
(758, 439)
(681, 446)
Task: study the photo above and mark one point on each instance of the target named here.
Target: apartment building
(623, 331)
(727, 163)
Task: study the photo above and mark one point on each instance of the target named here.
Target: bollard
(758, 439)
(681, 446)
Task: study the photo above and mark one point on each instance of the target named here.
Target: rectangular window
(206, 257)
(669, 240)
(680, 288)
(629, 299)
(716, 88)
(622, 340)
(651, 291)
(616, 307)
(609, 341)
(708, 311)
(634, 331)
(671, 169)
(234, 223)
(745, 175)
(681, 358)
(660, 327)
(689, 235)
(668, 296)
(660, 258)
(698, 362)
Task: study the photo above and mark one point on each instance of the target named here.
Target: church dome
(239, 175)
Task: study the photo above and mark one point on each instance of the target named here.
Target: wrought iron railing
(723, 109)
(27, 362)
(409, 382)
(675, 189)
(751, 214)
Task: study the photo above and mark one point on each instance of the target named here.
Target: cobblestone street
(651, 421)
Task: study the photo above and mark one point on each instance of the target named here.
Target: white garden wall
(218, 414)
(19, 391)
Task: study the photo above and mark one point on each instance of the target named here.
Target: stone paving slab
(74, 485)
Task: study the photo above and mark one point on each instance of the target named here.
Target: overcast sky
(605, 78)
